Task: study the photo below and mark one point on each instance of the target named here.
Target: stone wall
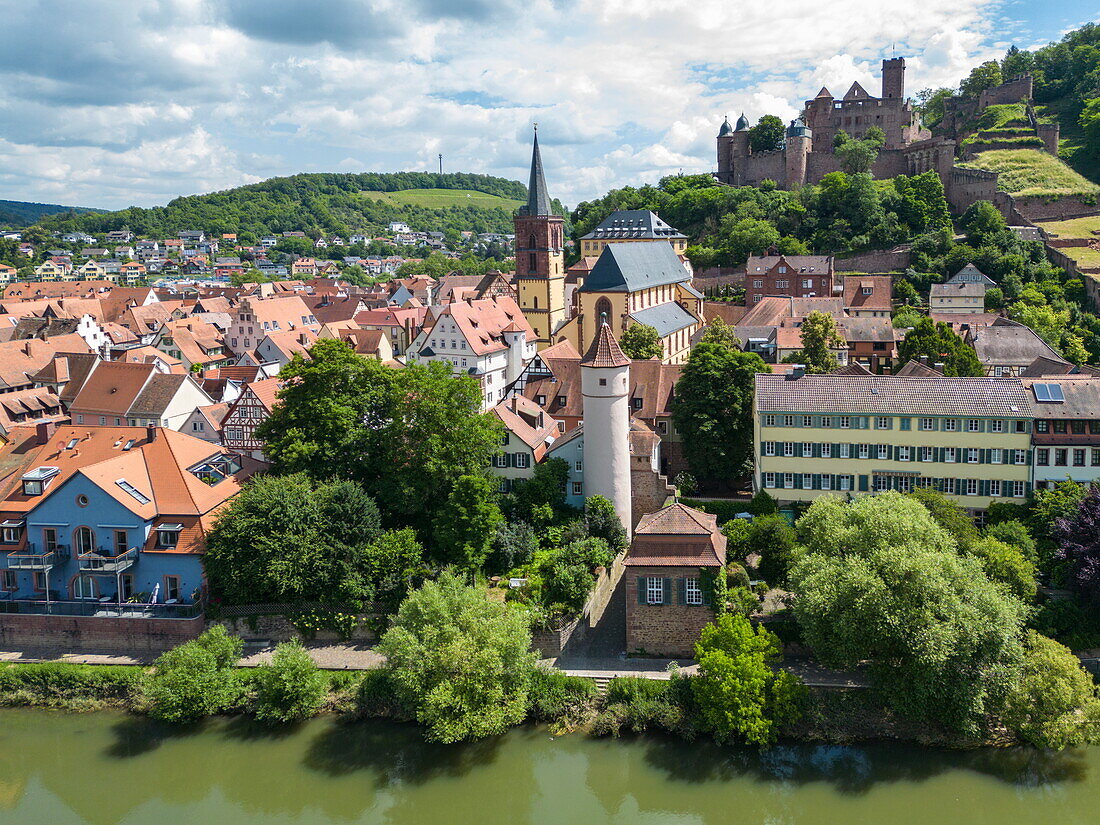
(969, 186)
(648, 490)
(883, 260)
(279, 628)
(667, 629)
(550, 642)
(1015, 90)
(1036, 208)
(96, 633)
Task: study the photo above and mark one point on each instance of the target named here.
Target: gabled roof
(633, 266)
(528, 422)
(880, 297)
(856, 92)
(1009, 343)
(665, 318)
(677, 536)
(639, 224)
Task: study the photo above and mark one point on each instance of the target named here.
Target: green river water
(102, 768)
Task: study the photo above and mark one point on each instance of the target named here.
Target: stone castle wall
(1015, 90)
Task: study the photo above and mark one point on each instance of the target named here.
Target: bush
(377, 698)
(1068, 622)
(513, 544)
(568, 575)
(557, 697)
(59, 684)
(1015, 533)
(636, 704)
(1005, 564)
(737, 532)
(772, 538)
(602, 522)
(195, 679)
(291, 687)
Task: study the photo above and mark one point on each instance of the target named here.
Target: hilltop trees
(767, 135)
(939, 343)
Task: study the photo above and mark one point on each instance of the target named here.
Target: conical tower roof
(538, 199)
(742, 123)
(605, 350)
(726, 129)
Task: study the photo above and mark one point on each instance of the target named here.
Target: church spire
(538, 200)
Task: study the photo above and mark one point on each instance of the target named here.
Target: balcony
(104, 609)
(102, 562)
(36, 559)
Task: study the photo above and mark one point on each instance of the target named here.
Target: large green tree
(767, 135)
(821, 337)
(940, 344)
(880, 581)
(712, 410)
(459, 662)
(465, 527)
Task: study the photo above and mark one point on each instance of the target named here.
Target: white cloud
(188, 95)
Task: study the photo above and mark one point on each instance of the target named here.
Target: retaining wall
(96, 633)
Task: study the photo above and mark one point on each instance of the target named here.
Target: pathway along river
(104, 769)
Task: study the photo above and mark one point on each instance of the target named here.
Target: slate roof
(538, 199)
(633, 266)
(1082, 397)
(633, 223)
(157, 394)
(799, 264)
(665, 318)
(959, 289)
(1009, 343)
(893, 395)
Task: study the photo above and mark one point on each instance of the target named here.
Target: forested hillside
(319, 203)
(20, 213)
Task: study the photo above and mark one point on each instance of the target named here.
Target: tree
(394, 562)
(288, 539)
(1005, 564)
(289, 687)
(773, 539)
(939, 343)
(738, 692)
(464, 527)
(1053, 510)
(642, 342)
(194, 679)
(767, 135)
(1051, 702)
(1077, 534)
(721, 333)
(820, 337)
(1090, 124)
(712, 410)
(1015, 533)
(947, 514)
(983, 224)
(906, 293)
(930, 103)
(406, 435)
(740, 237)
(513, 544)
(568, 572)
(545, 488)
(858, 155)
(881, 581)
(460, 663)
(982, 77)
(601, 521)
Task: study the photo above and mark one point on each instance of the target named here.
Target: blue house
(97, 518)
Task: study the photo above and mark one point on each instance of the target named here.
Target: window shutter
(815, 451)
(817, 481)
(708, 596)
(681, 585)
(667, 594)
(863, 484)
(641, 589)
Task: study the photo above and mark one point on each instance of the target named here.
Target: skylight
(139, 496)
(1048, 393)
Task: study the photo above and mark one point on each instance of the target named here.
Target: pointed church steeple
(538, 199)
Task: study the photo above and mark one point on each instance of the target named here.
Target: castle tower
(605, 394)
(540, 267)
(725, 152)
(799, 142)
(893, 79)
(818, 117)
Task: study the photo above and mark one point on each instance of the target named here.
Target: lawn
(1033, 172)
(441, 198)
(1074, 228)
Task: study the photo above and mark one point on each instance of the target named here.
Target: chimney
(797, 371)
(924, 360)
(151, 433)
(939, 366)
(43, 430)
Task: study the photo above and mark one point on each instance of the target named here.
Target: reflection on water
(105, 769)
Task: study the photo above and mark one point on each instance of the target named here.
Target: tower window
(532, 266)
(531, 241)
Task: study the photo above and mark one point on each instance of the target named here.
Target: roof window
(134, 492)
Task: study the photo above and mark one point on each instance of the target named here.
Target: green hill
(1025, 172)
(21, 213)
(328, 203)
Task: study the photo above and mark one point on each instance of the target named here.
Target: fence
(98, 609)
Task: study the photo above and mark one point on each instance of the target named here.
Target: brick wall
(663, 630)
(96, 633)
(1043, 209)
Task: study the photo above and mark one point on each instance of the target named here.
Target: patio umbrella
(156, 592)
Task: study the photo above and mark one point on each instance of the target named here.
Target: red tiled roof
(605, 351)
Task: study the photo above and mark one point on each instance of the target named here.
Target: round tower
(725, 152)
(799, 140)
(605, 394)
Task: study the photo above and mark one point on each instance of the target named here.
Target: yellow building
(631, 226)
(90, 271)
(959, 298)
(540, 265)
(643, 283)
(969, 438)
(50, 271)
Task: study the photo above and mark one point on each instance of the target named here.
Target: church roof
(538, 199)
(605, 350)
(633, 266)
(665, 318)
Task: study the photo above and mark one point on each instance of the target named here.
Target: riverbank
(567, 704)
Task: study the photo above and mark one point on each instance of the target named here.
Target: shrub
(773, 539)
(1068, 622)
(376, 696)
(557, 697)
(1015, 533)
(195, 679)
(1005, 564)
(636, 704)
(513, 544)
(737, 531)
(602, 522)
(291, 687)
(55, 684)
(568, 572)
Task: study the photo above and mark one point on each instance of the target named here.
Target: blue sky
(138, 101)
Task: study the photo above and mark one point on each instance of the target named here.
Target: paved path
(609, 668)
(327, 656)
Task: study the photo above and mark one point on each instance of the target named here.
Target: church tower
(540, 267)
(605, 396)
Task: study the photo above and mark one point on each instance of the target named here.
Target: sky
(112, 103)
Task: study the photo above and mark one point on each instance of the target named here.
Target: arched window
(603, 310)
(535, 302)
(85, 540)
(531, 241)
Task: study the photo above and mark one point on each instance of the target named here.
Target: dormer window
(37, 480)
(168, 535)
(11, 528)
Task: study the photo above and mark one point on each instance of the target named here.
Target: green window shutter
(906, 423)
(816, 450)
(641, 589)
(708, 595)
(666, 597)
(816, 483)
(863, 484)
(983, 456)
(682, 585)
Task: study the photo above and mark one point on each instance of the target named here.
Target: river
(103, 769)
